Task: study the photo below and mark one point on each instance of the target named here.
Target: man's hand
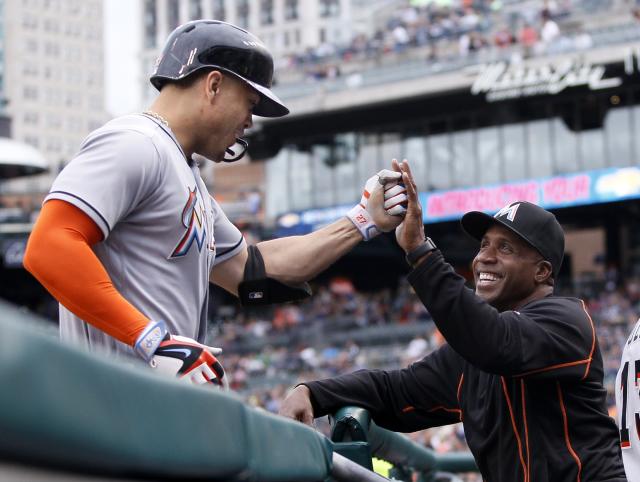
(179, 356)
(410, 234)
(297, 405)
(371, 216)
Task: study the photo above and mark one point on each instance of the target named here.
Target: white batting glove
(361, 215)
(180, 356)
(395, 199)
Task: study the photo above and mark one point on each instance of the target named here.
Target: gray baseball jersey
(163, 232)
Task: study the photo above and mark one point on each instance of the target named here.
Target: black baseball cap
(535, 225)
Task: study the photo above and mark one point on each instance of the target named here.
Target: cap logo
(509, 211)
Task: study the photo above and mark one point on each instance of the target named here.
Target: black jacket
(526, 384)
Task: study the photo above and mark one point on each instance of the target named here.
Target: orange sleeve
(59, 255)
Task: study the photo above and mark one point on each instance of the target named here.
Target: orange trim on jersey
(515, 429)
(59, 255)
(593, 339)
(408, 409)
(526, 428)
(554, 367)
(458, 393)
(567, 439)
(569, 364)
(452, 410)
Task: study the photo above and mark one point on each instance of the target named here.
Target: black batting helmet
(219, 45)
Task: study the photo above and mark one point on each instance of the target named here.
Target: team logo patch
(194, 220)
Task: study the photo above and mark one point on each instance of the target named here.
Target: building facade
(53, 76)
(285, 26)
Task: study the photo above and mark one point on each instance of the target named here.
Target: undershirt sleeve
(59, 255)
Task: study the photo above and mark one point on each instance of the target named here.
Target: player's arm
(60, 256)
(424, 394)
(295, 259)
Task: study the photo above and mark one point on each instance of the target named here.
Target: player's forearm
(60, 257)
(296, 259)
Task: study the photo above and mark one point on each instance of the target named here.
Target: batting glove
(360, 214)
(180, 356)
(395, 199)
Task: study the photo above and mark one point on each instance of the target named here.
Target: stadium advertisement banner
(591, 187)
(501, 80)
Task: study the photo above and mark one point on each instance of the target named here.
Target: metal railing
(357, 437)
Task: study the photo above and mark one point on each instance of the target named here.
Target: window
(173, 14)
(329, 8)
(266, 12)
(30, 92)
(243, 13)
(195, 10)
(218, 10)
(150, 23)
(291, 10)
(30, 117)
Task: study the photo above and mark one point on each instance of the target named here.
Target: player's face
(505, 268)
(238, 104)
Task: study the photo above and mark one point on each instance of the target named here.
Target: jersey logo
(509, 211)
(194, 220)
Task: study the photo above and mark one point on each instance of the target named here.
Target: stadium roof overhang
(474, 96)
(18, 159)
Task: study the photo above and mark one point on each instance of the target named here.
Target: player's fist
(371, 216)
(180, 356)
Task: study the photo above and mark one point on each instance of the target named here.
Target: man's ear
(212, 84)
(544, 271)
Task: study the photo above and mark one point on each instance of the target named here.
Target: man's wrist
(363, 221)
(148, 341)
(419, 253)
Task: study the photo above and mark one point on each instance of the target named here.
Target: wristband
(415, 254)
(149, 340)
(363, 221)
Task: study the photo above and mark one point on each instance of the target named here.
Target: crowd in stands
(264, 376)
(460, 29)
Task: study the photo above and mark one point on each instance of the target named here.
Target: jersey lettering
(625, 441)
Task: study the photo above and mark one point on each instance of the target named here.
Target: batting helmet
(205, 44)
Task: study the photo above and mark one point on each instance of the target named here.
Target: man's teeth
(488, 277)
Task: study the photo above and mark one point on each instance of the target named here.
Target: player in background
(129, 239)
(521, 369)
(628, 404)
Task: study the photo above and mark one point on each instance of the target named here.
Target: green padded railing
(67, 409)
(351, 424)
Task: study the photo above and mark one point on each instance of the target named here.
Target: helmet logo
(252, 43)
(192, 55)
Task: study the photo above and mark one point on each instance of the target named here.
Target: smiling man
(521, 369)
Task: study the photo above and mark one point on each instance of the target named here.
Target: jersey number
(624, 379)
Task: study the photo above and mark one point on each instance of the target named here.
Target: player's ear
(212, 83)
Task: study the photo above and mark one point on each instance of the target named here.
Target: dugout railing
(66, 414)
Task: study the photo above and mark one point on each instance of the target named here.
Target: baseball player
(628, 404)
(521, 369)
(129, 239)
